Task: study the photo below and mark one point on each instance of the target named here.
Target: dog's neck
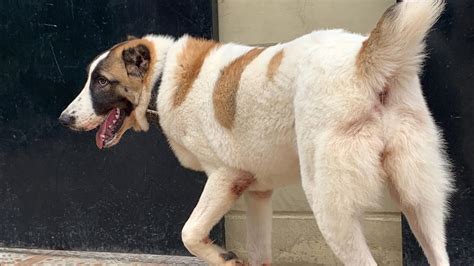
(161, 44)
(152, 105)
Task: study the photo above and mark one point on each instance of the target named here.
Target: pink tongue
(104, 132)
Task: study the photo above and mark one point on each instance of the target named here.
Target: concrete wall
(296, 239)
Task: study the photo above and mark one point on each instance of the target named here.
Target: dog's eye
(102, 81)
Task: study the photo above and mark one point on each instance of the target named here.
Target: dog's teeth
(117, 116)
(115, 120)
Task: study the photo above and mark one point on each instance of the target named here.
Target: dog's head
(117, 92)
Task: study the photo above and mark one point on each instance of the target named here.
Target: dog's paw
(231, 259)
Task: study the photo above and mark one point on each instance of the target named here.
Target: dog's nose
(66, 120)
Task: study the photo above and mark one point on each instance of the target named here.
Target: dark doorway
(448, 85)
(57, 190)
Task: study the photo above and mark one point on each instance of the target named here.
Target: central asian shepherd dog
(341, 112)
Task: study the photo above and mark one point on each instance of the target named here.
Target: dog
(342, 112)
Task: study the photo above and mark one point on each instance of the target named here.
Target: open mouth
(108, 130)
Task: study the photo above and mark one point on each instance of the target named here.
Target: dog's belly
(267, 150)
(261, 142)
(270, 155)
(280, 168)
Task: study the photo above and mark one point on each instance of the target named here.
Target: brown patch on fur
(225, 92)
(383, 96)
(241, 184)
(386, 160)
(384, 155)
(261, 194)
(190, 63)
(363, 55)
(364, 58)
(274, 64)
(116, 54)
(207, 240)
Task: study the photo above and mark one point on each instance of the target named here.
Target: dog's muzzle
(67, 120)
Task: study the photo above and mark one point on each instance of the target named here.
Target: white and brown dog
(342, 112)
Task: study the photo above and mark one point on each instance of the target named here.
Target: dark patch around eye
(95, 74)
(106, 98)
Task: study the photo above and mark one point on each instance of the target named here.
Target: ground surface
(11, 256)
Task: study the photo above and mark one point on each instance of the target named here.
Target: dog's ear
(137, 60)
(131, 38)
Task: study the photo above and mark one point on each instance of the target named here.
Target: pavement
(21, 257)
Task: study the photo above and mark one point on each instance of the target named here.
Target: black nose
(67, 120)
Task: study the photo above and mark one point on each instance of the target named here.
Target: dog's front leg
(259, 227)
(222, 189)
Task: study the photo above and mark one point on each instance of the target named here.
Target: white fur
(86, 119)
(259, 227)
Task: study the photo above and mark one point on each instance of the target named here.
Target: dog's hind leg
(420, 182)
(259, 227)
(341, 175)
(222, 189)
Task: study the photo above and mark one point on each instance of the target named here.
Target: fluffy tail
(396, 45)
